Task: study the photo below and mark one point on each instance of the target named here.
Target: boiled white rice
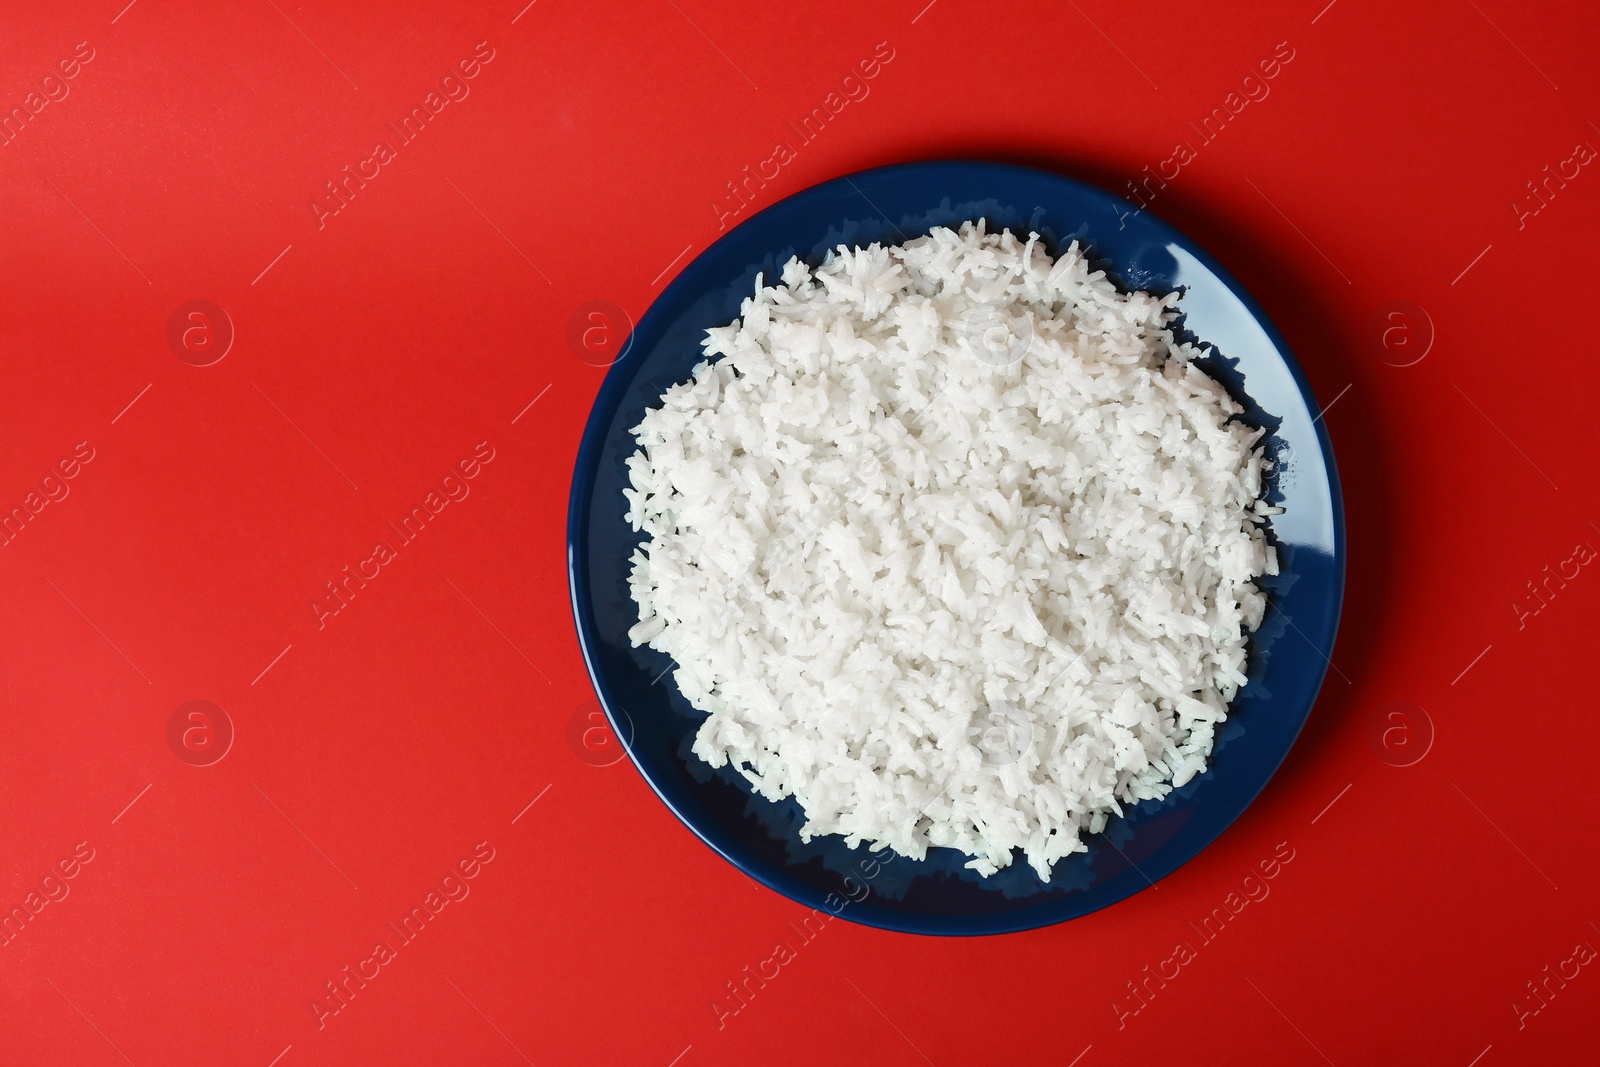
(954, 544)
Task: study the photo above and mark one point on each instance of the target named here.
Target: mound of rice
(954, 544)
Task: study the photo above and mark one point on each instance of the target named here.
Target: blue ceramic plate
(938, 895)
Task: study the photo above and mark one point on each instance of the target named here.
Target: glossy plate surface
(1287, 663)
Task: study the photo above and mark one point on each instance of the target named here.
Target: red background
(375, 351)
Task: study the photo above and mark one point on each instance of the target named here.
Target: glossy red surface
(182, 513)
